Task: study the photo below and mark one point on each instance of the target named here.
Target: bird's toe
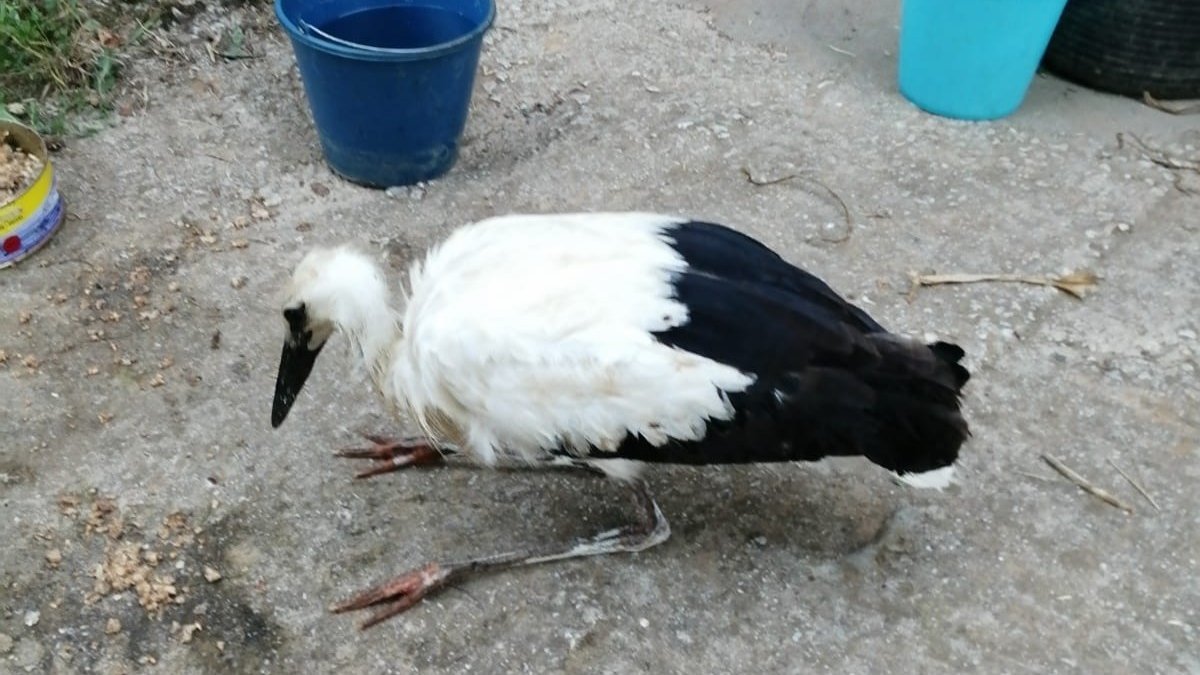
(397, 595)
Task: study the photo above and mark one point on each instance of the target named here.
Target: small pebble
(112, 626)
(644, 623)
(270, 198)
(6, 643)
(54, 557)
(188, 631)
(415, 192)
(32, 617)
(238, 282)
(211, 575)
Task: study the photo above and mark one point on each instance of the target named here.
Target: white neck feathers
(348, 288)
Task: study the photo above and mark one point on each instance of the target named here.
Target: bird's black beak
(295, 364)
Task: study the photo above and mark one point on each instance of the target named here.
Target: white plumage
(566, 307)
(526, 334)
(610, 340)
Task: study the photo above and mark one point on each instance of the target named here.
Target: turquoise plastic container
(973, 59)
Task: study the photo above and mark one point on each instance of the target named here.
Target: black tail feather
(918, 388)
(951, 354)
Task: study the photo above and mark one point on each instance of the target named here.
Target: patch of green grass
(58, 62)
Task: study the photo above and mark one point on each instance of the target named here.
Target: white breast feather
(533, 332)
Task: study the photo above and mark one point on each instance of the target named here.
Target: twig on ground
(761, 182)
(1149, 100)
(845, 212)
(1097, 492)
(1177, 182)
(1136, 486)
(1075, 284)
(765, 181)
(1158, 156)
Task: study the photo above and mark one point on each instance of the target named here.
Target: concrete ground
(154, 522)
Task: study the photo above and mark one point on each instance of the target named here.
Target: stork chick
(610, 341)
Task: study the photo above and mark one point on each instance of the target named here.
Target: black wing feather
(729, 254)
(829, 379)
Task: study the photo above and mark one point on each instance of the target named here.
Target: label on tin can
(28, 221)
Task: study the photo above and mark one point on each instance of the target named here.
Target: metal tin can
(28, 221)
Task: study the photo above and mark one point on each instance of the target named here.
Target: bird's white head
(331, 289)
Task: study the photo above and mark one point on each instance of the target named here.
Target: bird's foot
(390, 455)
(405, 591)
(399, 594)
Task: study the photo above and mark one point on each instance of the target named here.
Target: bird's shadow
(828, 513)
(825, 514)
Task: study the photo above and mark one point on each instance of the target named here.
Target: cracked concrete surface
(141, 345)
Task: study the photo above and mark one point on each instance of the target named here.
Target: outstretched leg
(408, 589)
(392, 455)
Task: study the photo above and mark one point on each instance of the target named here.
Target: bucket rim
(360, 52)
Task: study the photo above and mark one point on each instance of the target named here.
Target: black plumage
(830, 380)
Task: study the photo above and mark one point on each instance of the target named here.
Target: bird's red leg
(391, 455)
(406, 590)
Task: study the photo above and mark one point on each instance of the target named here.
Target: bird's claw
(397, 595)
(391, 455)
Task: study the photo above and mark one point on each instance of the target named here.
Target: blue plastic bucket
(973, 59)
(388, 81)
